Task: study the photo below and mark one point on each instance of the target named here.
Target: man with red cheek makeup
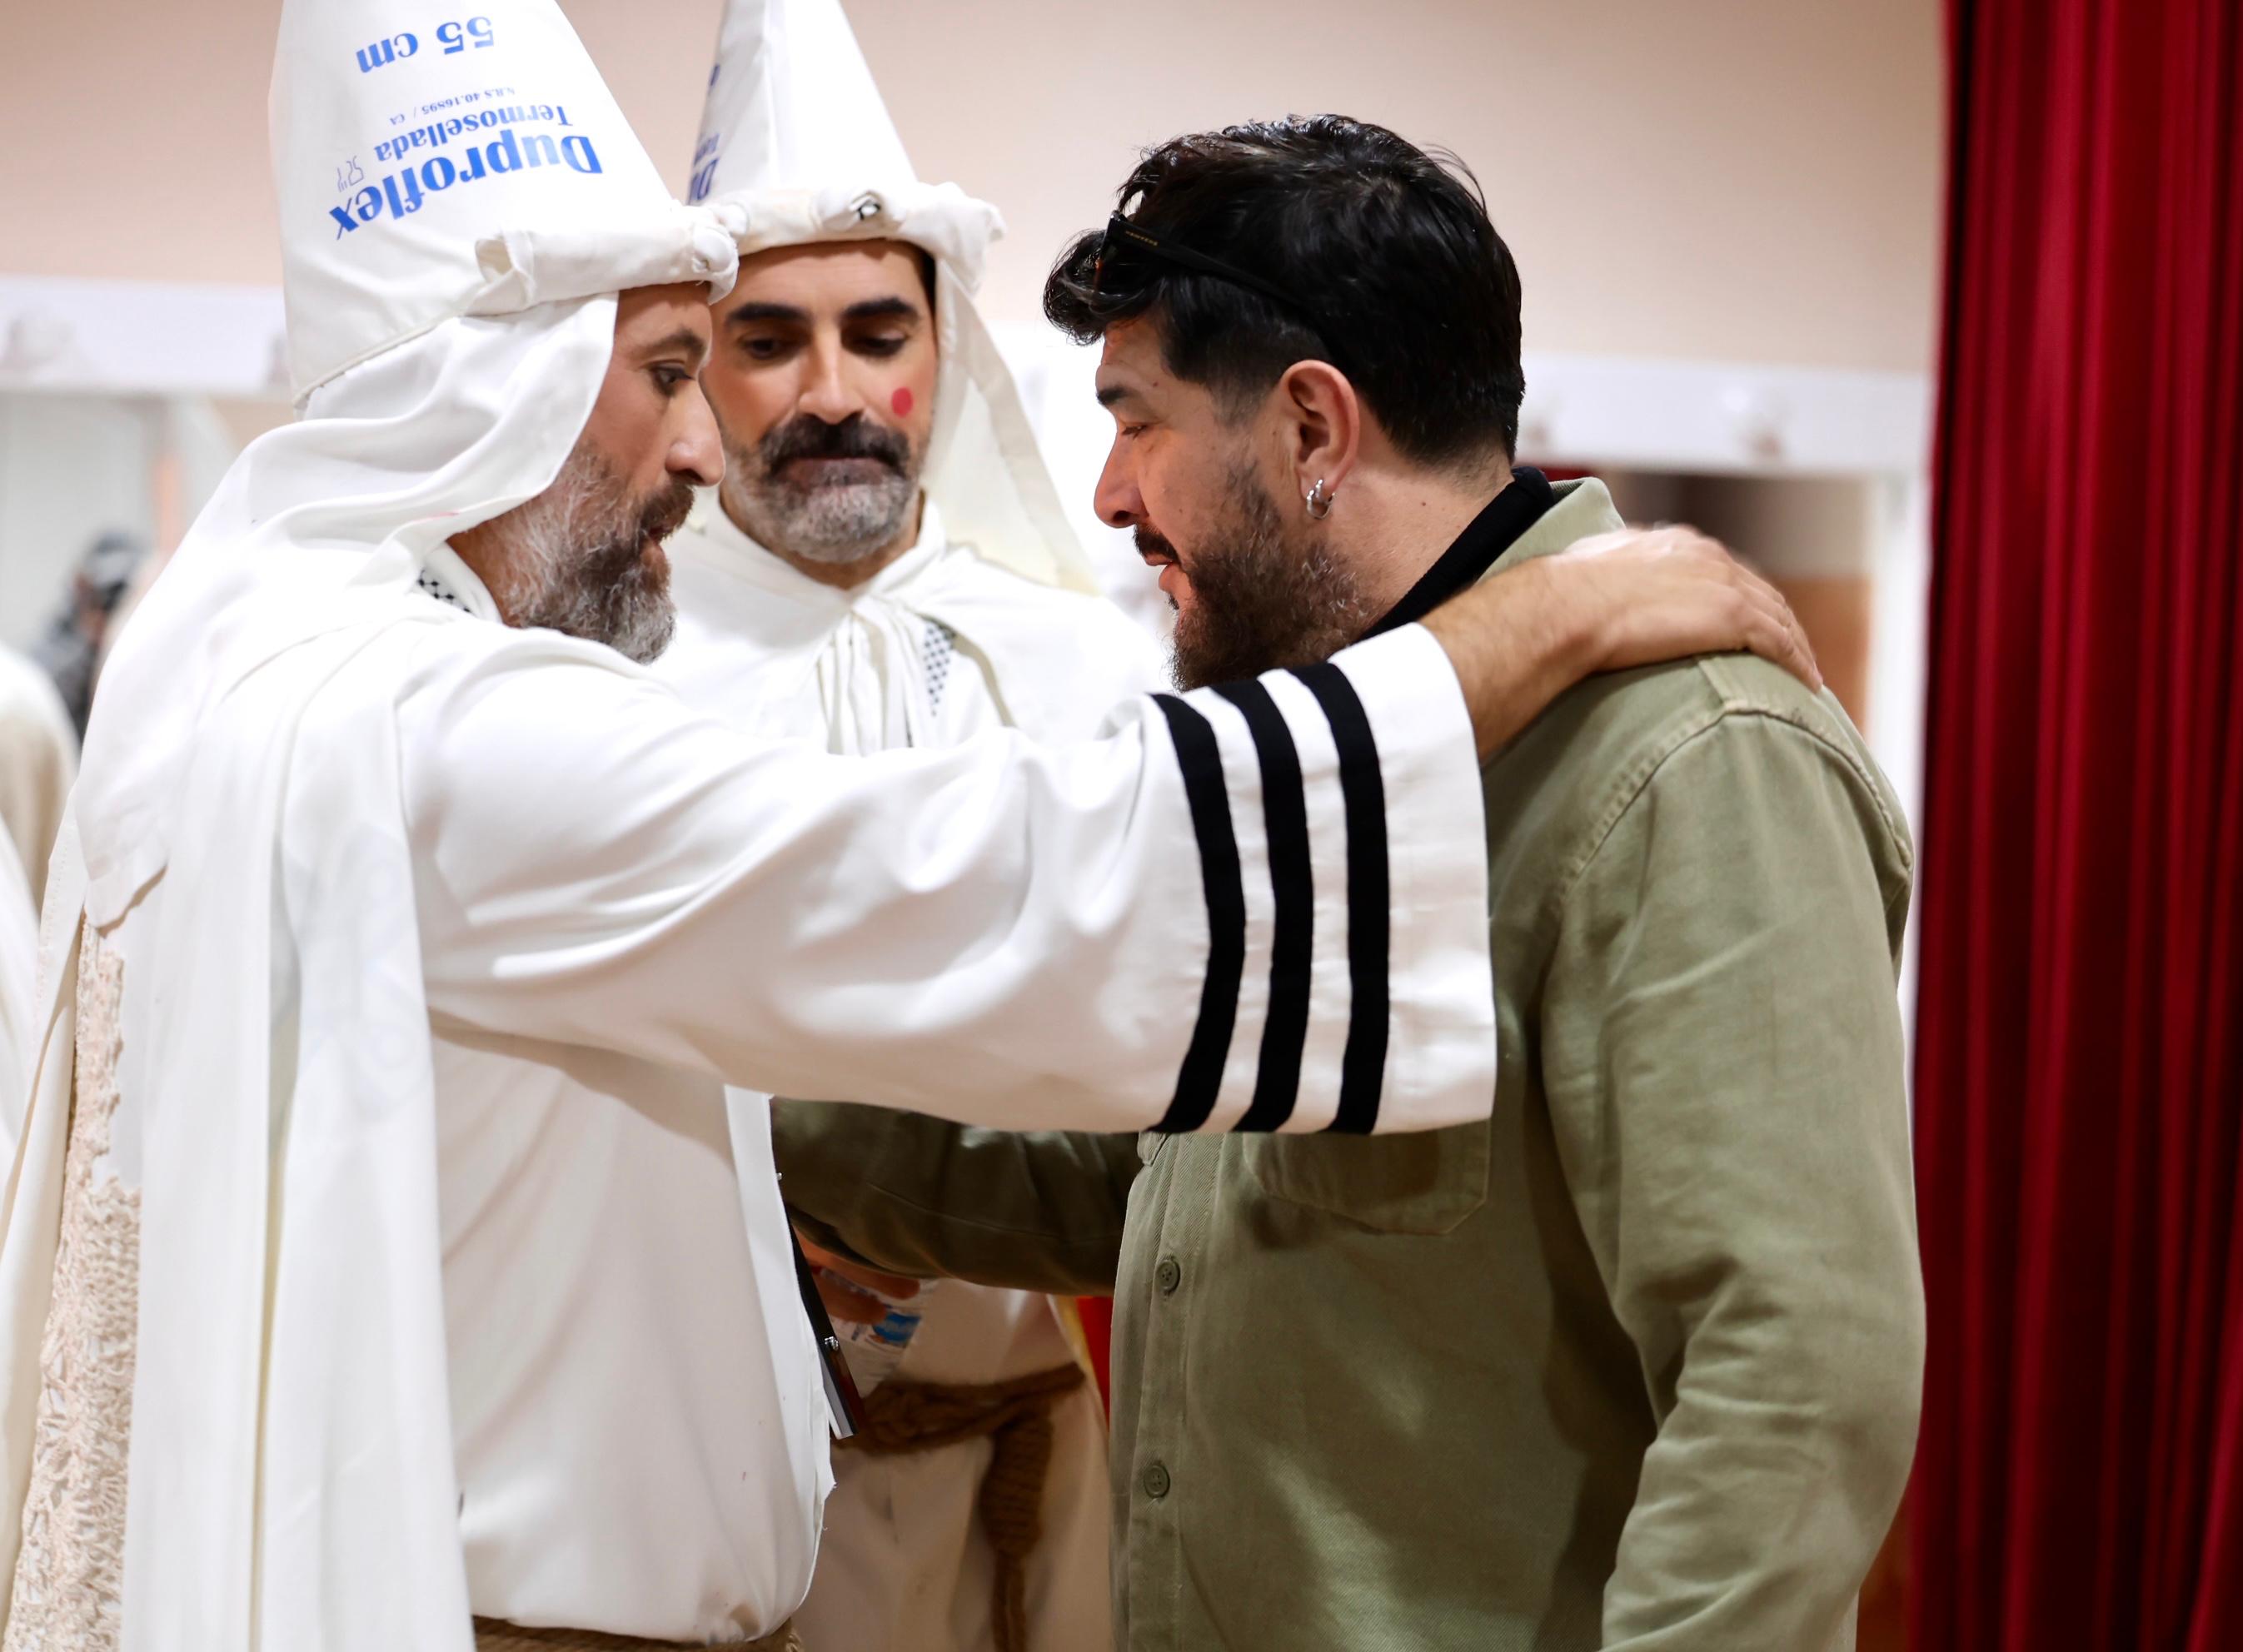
(884, 565)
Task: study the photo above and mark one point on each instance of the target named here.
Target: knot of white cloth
(876, 681)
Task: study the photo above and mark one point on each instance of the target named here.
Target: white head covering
(461, 200)
(797, 147)
(430, 166)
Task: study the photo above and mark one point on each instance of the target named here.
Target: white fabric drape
(39, 761)
(19, 969)
(785, 657)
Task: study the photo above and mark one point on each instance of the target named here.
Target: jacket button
(1168, 1276)
(1156, 1481)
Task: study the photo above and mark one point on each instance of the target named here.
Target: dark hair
(1395, 275)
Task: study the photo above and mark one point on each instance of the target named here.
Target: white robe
(38, 759)
(19, 969)
(529, 844)
(940, 645)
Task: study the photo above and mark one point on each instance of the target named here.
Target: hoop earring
(1319, 501)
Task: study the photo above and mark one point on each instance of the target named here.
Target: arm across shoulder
(1108, 934)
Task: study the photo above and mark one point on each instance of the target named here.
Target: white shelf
(141, 337)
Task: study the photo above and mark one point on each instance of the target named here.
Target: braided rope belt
(1015, 1418)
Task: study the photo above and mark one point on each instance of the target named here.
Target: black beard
(1262, 598)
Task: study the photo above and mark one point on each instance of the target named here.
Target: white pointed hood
(797, 147)
(447, 347)
(431, 164)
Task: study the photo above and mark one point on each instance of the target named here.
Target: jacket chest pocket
(1426, 1182)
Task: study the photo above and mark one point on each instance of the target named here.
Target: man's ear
(1323, 424)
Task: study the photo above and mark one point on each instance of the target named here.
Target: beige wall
(1749, 180)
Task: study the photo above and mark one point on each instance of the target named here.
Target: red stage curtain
(2080, 1030)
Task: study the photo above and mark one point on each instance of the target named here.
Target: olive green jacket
(1633, 1364)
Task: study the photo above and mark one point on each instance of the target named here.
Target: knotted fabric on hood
(797, 148)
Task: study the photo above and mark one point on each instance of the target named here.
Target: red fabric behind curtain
(1096, 1315)
(2080, 1028)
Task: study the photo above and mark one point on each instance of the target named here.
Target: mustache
(665, 513)
(855, 437)
(1150, 544)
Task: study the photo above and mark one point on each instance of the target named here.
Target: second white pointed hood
(797, 147)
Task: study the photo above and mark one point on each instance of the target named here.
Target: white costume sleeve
(1260, 907)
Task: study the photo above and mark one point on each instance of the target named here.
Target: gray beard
(835, 525)
(572, 563)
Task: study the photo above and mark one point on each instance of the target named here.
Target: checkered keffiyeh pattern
(434, 586)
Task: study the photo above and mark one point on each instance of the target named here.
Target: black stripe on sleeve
(1363, 789)
(1292, 942)
(1200, 757)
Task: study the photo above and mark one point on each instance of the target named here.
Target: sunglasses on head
(1123, 236)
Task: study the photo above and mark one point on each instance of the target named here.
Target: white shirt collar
(739, 554)
(447, 577)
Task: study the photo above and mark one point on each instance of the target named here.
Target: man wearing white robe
(303, 1346)
(823, 595)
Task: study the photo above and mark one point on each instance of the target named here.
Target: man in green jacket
(1636, 1362)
